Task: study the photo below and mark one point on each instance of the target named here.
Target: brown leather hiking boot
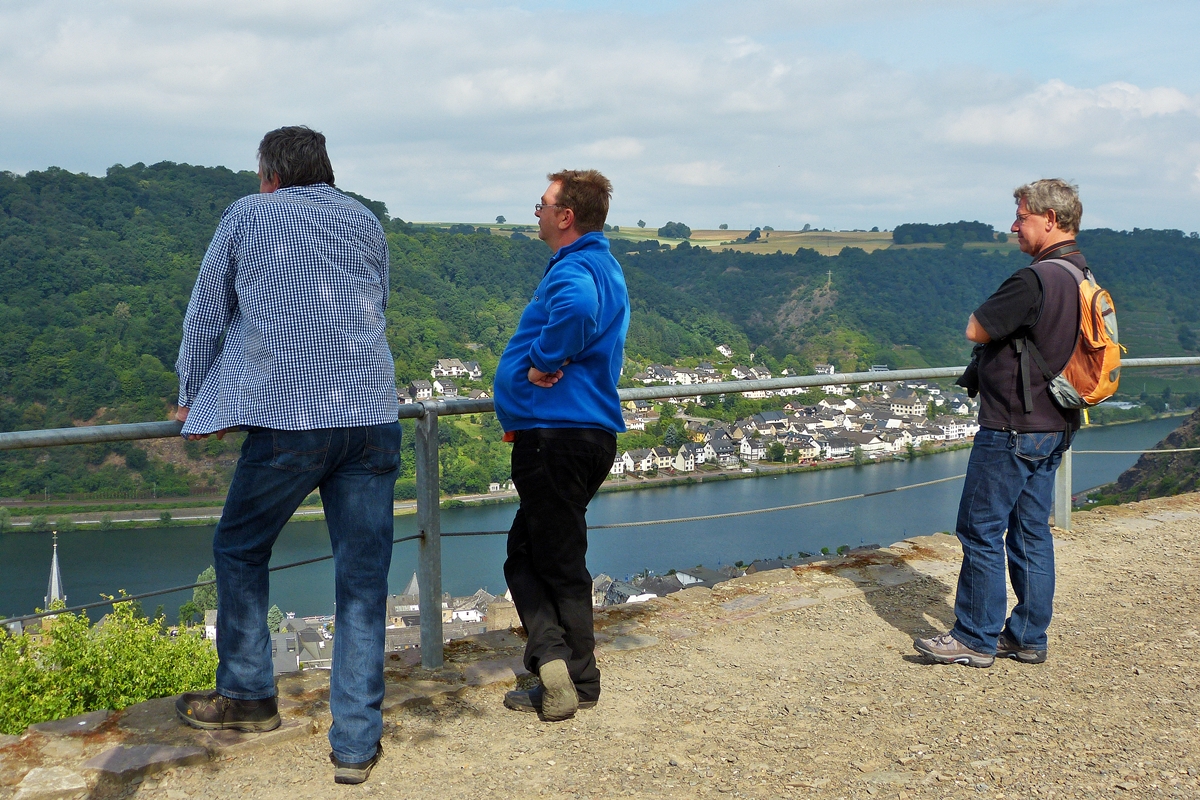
(346, 772)
(530, 700)
(1008, 647)
(560, 701)
(945, 649)
(214, 711)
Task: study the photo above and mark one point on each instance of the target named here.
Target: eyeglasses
(537, 207)
(1022, 217)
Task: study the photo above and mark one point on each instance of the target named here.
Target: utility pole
(829, 279)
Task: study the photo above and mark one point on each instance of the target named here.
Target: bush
(106, 522)
(72, 667)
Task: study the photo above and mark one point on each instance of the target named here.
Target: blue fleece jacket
(580, 313)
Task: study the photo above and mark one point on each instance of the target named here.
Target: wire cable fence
(605, 526)
(413, 537)
(426, 413)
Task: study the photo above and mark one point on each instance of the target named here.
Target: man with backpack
(1027, 332)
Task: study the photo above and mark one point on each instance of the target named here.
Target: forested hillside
(95, 275)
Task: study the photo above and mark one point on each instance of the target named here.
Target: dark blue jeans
(1009, 486)
(355, 469)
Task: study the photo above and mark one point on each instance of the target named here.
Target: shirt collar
(1057, 251)
(590, 239)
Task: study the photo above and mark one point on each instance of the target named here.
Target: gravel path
(804, 684)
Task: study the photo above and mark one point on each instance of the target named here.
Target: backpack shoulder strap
(1025, 350)
(1080, 275)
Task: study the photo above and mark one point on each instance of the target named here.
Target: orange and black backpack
(1094, 369)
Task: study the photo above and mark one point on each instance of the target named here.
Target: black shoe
(531, 700)
(1007, 647)
(213, 711)
(345, 772)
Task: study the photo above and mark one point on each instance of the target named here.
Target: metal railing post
(1062, 493)
(429, 523)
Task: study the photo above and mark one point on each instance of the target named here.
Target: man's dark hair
(296, 155)
(586, 192)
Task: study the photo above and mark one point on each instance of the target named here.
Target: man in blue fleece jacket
(556, 396)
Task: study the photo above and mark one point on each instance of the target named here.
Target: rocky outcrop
(1166, 474)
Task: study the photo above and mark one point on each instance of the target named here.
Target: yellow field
(828, 243)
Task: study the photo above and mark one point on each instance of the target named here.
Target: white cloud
(618, 147)
(695, 173)
(1056, 114)
(456, 110)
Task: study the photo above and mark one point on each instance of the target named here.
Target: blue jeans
(355, 469)
(1009, 486)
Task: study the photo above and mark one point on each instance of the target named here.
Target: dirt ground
(803, 683)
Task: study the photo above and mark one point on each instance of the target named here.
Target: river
(95, 562)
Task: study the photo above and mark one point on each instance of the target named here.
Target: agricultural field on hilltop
(827, 243)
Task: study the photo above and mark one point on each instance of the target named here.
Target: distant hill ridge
(95, 274)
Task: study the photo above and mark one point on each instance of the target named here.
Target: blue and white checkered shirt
(297, 281)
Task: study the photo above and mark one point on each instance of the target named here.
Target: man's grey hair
(1053, 194)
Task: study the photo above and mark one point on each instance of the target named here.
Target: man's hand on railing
(181, 415)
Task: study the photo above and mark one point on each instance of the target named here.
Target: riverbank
(181, 515)
(188, 512)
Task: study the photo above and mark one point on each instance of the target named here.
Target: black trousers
(556, 471)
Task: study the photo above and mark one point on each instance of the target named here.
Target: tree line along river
(101, 562)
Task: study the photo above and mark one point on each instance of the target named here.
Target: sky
(838, 114)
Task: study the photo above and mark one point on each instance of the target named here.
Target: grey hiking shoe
(531, 700)
(559, 699)
(1007, 647)
(945, 649)
(346, 772)
(213, 711)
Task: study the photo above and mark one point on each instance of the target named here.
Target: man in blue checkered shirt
(284, 337)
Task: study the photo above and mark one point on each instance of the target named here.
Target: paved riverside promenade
(784, 684)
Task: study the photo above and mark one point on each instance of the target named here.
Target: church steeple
(55, 590)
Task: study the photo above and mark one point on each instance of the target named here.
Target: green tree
(776, 451)
(675, 230)
(500, 220)
(724, 226)
(641, 223)
(205, 597)
(72, 668)
(164, 518)
(859, 458)
(274, 619)
(673, 437)
(911, 449)
(187, 613)
(5, 520)
(39, 524)
(106, 522)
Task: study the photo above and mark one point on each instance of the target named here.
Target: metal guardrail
(429, 569)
